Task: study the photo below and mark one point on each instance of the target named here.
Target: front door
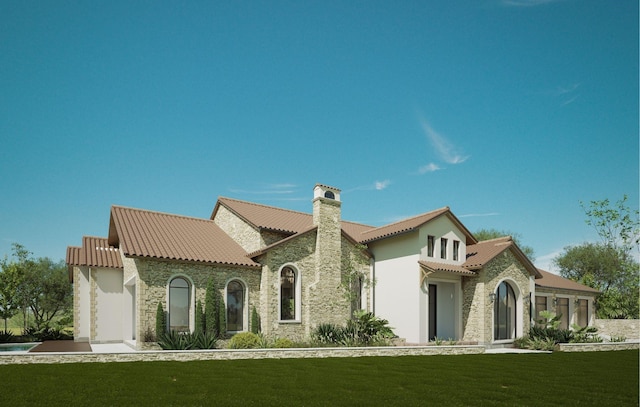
(433, 311)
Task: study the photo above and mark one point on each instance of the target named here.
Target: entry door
(433, 311)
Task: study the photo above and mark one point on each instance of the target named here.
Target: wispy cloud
(476, 215)
(278, 189)
(431, 167)
(445, 149)
(377, 186)
(527, 3)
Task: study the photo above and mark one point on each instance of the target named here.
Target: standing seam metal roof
(143, 233)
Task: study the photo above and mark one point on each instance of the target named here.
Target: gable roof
(142, 233)
(280, 220)
(413, 223)
(483, 252)
(550, 280)
(95, 252)
(447, 268)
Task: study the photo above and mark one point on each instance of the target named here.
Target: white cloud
(431, 167)
(545, 262)
(446, 150)
(380, 185)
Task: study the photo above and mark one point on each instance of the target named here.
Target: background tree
(488, 234)
(46, 290)
(11, 278)
(609, 265)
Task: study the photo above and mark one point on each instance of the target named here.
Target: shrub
(244, 340)
(255, 321)
(328, 334)
(547, 344)
(6, 336)
(204, 340)
(161, 321)
(148, 335)
(282, 343)
(618, 339)
(199, 318)
(46, 334)
(586, 334)
(174, 340)
(521, 342)
(368, 329)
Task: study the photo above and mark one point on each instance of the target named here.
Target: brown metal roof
(403, 226)
(550, 280)
(278, 219)
(481, 253)
(143, 233)
(95, 252)
(448, 268)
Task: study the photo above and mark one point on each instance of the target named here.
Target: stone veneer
(477, 310)
(237, 354)
(153, 276)
(629, 328)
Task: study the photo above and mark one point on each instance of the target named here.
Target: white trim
(192, 299)
(245, 305)
(298, 294)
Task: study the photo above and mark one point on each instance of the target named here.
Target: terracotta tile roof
(95, 252)
(449, 268)
(143, 233)
(481, 253)
(550, 280)
(278, 219)
(411, 224)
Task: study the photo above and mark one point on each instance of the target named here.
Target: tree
(609, 265)
(214, 311)
(11, 278)
(46, 290)
(488, 234)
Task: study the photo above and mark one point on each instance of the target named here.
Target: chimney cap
(325, 191)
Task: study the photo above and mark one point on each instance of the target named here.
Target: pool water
(16, 347)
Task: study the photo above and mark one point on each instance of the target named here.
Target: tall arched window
(287, 294)
(179, 303)
(504, 320)
(235, 306)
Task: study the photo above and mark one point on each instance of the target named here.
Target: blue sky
(510, 112)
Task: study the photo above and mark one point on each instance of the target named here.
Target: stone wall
(628, 328)
(154, 277)
(595, 347)
(477, 310)
(228, 354)
(239, 230)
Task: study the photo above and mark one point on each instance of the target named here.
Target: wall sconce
(555, 301)
(492, 297)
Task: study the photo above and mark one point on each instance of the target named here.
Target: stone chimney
(326, 207)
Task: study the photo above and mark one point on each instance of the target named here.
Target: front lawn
(591, 378)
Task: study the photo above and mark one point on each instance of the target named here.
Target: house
(427, 275)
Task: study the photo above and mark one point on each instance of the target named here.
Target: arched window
(235, 306)
(504, 320)
(288, 294)
(179, 303)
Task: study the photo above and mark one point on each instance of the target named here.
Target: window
(562, 310)
(288, 294)
(504, 321)
(431, 243)
(541, 305)
(456, 250)
(235, 306)
(443, 248)
(179, 304)
(583, 312)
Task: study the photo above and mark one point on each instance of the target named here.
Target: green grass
(558, 379)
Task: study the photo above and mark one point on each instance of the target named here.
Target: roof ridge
(443, 209)
(263, 205)
(507, 238)
(161, 213)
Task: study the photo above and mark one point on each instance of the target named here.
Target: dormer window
(443, 248)
(431, 243)
(456, 250)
